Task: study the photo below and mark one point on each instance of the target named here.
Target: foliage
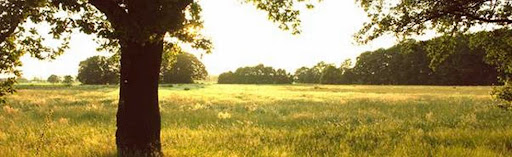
(177, 66)
(37, 79)
(498, 47)
(259, 74)
(450, 18)
(226, 78)
(348, 75)
(331, 75)
(305, 75)
(68, 79)
(53, 79)
(265, 120)
(323, 73)
(504, 94)
(408, 63)
(98, 70)
(16, 40)
(310, 75)
(185, 69)
(413, 17)
(22, 80)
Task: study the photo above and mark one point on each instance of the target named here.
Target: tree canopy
(310, 75)
(407, 18)
(408, 64)
(68, 79)
(491, 19)
(98, 70)
(185, 69)
(53, 79)
(259, 74)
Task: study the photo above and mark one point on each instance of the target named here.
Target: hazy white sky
(243, 36)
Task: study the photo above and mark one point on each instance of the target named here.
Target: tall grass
(265, 120)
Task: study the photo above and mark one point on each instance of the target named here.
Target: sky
(243, 36)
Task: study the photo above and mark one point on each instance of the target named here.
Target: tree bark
(138, 115)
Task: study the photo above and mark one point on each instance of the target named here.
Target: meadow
(265, 120)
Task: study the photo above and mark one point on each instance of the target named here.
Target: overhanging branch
(9, 32)
(115, 14)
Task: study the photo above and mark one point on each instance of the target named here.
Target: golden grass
(265, 120)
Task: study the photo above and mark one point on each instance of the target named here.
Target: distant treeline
(259, 74)
(407, 63)
(175, 68)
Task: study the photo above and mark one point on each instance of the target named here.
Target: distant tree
(310, 75)
(408, 64)
(331, 75)
(185, 69)
(306, 75)
(22, 80)
(348, 76)
(259, 74)
(282, 77)
(465, 66)
(227, 78)
(37, 79)
(53, 79)
(98, 70)
(68, 79)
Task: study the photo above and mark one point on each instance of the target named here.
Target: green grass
(265, 120)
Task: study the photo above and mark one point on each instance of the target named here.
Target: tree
(450, 18)
(227, 78)
(303, 75)
(22, 80)
(185, 69)
(259, 74)
(408, 64)
(310, 75)
(37, 79)
(53, 79)
(282, 77)
(68, 79)
(98, 70)
(331, 75)
(348, 76)
(138, 29)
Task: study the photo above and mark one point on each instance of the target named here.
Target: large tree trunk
(138, 115)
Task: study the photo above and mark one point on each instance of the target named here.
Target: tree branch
(116, 15)
(506, 21)
(10, 31)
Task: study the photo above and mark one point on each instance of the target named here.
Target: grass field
(265, 120)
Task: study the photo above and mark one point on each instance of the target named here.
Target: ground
(265, 120)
